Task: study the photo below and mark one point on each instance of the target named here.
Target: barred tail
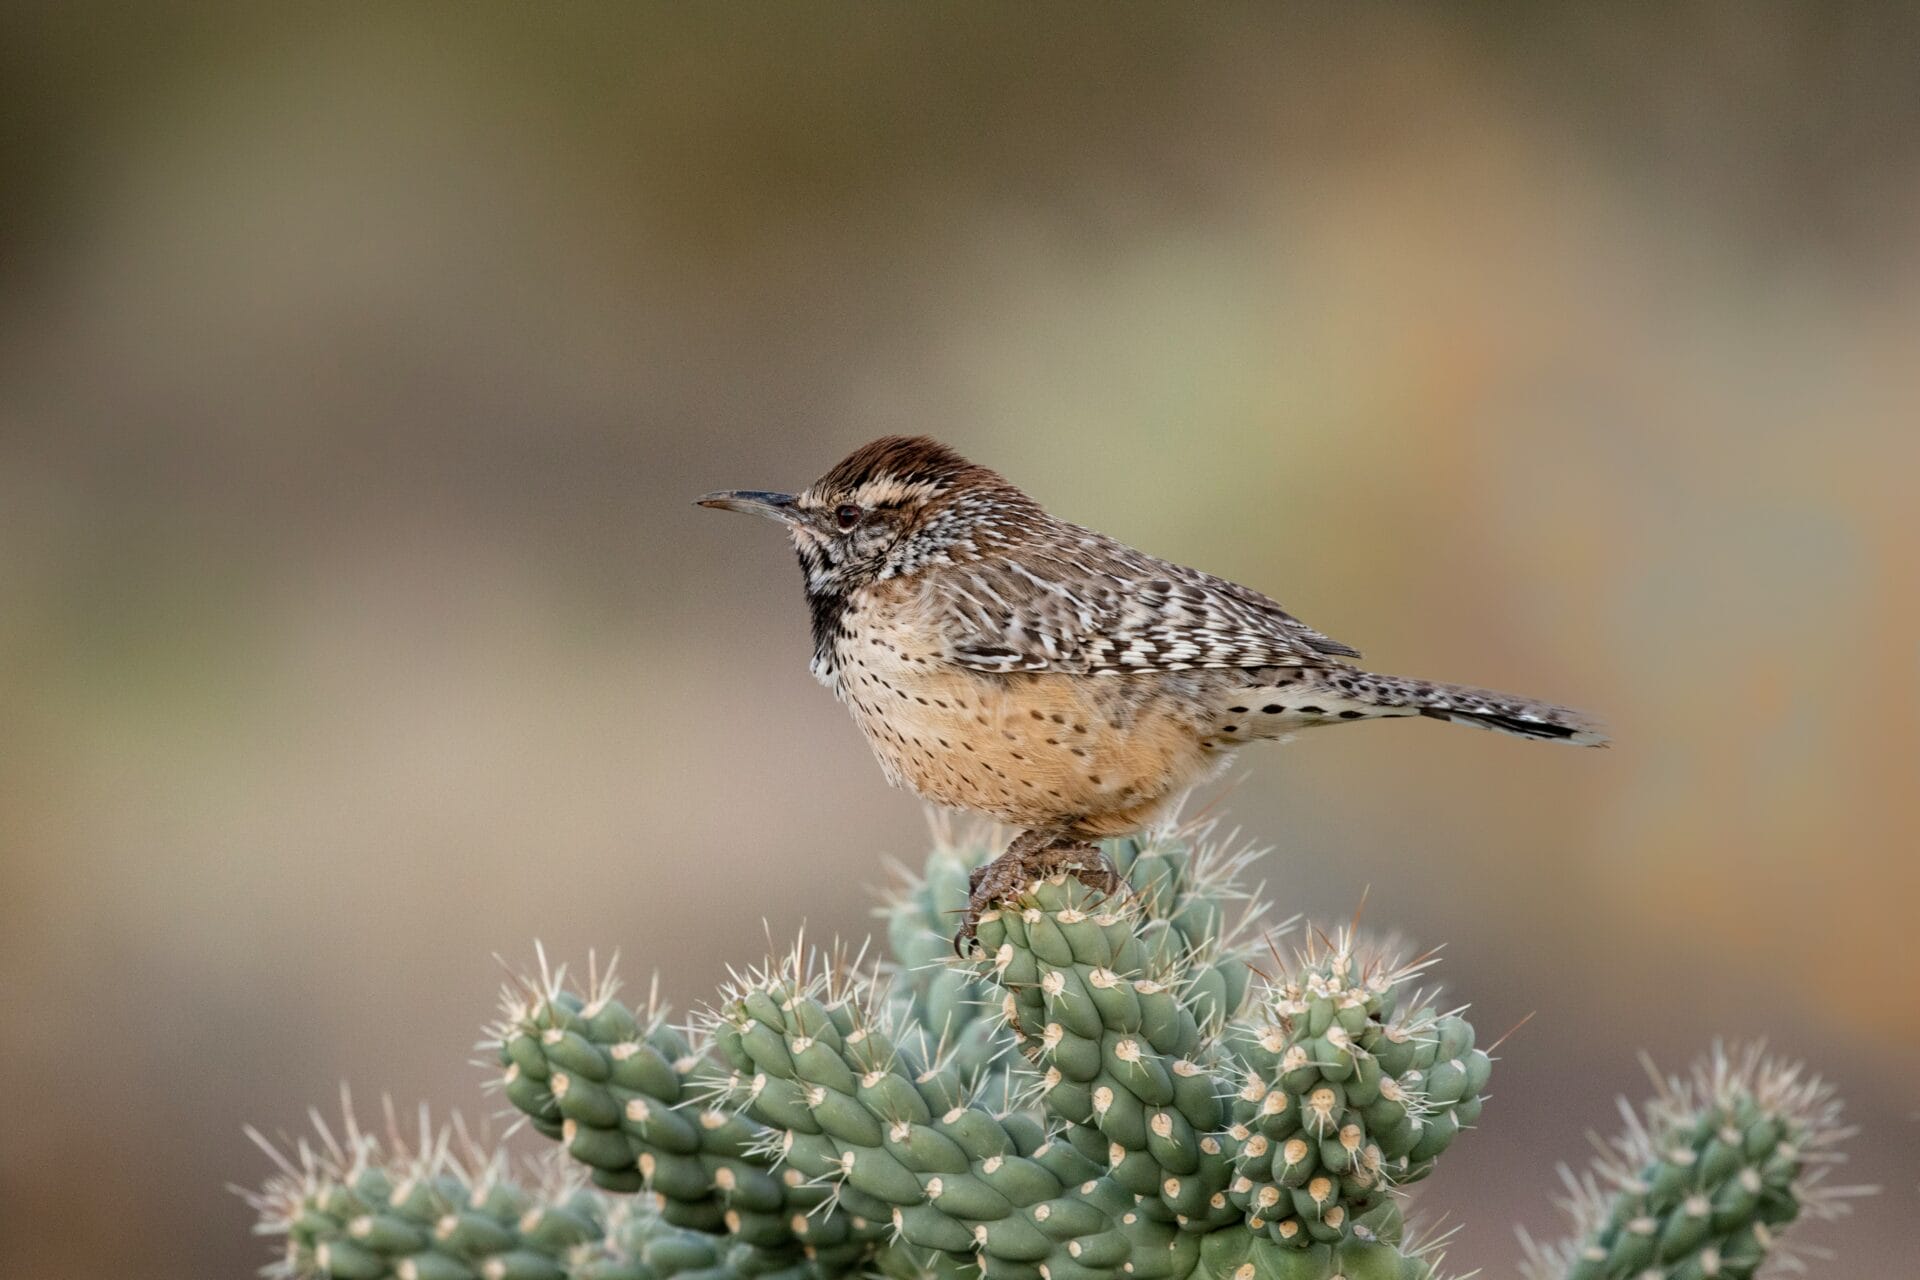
(1481, 708)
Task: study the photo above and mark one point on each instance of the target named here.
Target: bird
(1006, 662)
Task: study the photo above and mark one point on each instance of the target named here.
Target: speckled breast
(1088, 755)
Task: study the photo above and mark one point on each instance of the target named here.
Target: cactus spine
(1107, 1090)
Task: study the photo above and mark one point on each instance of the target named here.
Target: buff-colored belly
(1088, 755)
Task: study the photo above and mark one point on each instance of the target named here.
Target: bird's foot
(1032, 856)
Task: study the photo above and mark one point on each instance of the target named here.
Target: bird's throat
(827, 606)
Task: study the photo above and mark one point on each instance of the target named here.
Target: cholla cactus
(353, 1208)
(1354, 1087)
(1704, 1176)
(1139, 1086)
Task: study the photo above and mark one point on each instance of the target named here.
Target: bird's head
(887, 510)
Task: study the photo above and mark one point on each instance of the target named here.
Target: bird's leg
(1033, 855)
(1018, 849)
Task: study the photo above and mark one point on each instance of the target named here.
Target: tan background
(356, 374)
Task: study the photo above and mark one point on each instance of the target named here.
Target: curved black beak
(774, 506)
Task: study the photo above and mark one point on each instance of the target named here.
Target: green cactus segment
(1194, 929)
(944, 1005)
(1246, 1255)
(894, 1133)
(631, 1099)
(640, 1245)
(1197, 923)
(348, 1211)
(1705, 1178)
(1120, 1052)
(1348, 1094)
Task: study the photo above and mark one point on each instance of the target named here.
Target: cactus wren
(1002, 661)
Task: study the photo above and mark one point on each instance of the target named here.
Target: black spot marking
(1272, 708)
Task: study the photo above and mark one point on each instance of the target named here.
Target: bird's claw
(1026, 860)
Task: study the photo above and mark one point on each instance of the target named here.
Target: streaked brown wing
(1085, 604)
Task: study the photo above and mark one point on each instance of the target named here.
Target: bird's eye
(846, 515)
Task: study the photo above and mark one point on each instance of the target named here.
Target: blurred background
(357, 372)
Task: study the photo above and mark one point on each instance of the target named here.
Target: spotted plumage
(1003, 661)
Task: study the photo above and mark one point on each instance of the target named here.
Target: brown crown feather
(908, 459)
